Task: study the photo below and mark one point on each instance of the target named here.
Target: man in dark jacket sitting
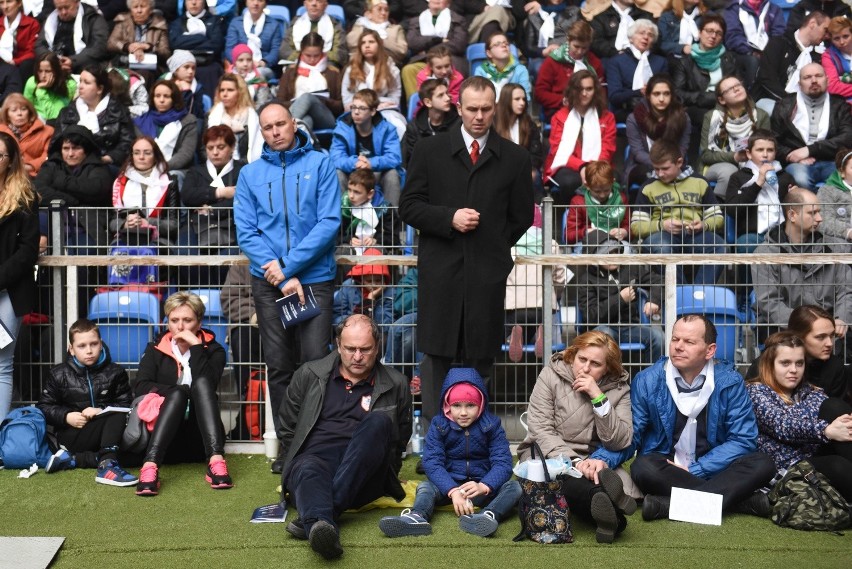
(435, 116)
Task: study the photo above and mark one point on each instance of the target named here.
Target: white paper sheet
(696, 507)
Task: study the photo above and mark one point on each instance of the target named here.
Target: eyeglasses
(351, 351)
(356, 109)
(732, 88)
(499, 44)
(712, 32)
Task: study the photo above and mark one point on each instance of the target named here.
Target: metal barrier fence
(554, 293)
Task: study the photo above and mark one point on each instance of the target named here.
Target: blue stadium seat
(333, 10)
(279, 12)
(127, 320)
(413, 101)
(719, 305)
(476, 54)
(215, 318)
(623, 346)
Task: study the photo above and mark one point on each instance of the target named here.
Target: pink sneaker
(217, 475)
(149, 481)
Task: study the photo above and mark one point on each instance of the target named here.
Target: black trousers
(97, 440)
(654, 475)
(834, 459)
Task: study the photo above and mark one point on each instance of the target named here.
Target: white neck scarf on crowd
(51, 24)
(643, 72)
(690, 405)
(89, 119)
(547, 29)
(167, 139)
(7, 40)
(217, 181)
(253, 38)
(195, 24)
(688, 27)
(441, 27)
(325, 28)
(755, 32)
(622, 42)
(571, 132)
(368, 24)
(801, 119)
(769, 213)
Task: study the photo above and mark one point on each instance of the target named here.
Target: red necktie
(474, 151)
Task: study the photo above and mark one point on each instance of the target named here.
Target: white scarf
(803, 59)
(217, 181)
(255, 142)
(33, 7)
(547, 29)
(7, 40)
(315, 81)
(688, 28)
(195, 24)
(167, 139)
(89, 119)
(514, 132)
(52, 23)
(501, 3)
(755, 32)
(156, 184)
(368, 24)
(802, 123)
(325, 28)
(622, 42)
(571, 132)
(690, 405)
(579, 65)
(369, 221)
(769, 213)
(183, 360)
(441, 27)
(253, 39)
(643, 72)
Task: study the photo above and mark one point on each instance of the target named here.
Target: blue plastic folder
(293, 313)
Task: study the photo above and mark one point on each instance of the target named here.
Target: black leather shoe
(655, 508)
(297, 529)
(755, 505)
(277, 465)
(419, 468)
(324, 540)
(614, 488)
(603, 512)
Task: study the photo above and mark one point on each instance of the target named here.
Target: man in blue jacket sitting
(693, 428)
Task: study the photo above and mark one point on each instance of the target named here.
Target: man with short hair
(287, 213)
(344, 426)
(436, 115)
(469, 193)
(693, 428)
(76, 33)
(779, 289)
(811, 126)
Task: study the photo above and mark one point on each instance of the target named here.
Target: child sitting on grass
(467, 461)
(73, 397)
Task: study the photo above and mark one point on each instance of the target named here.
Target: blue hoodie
(296, 224)
(344, 152)
(480, 452)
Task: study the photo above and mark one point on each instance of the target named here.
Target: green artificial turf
(189, 525)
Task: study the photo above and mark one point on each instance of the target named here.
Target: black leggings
(181, 438)
(834, 459)
(97, 440)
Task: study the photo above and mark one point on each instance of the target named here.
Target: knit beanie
(464, 393)
(240, 49)
(178, 58)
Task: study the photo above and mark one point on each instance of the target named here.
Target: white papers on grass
(695, 507)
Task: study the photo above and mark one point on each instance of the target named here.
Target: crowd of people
(219, 112)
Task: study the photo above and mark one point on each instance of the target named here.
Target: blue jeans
(401, 348)
(428, 497)
(653, 338)
(279, 345)
(809, 176)
(7, 354)
(707, 242)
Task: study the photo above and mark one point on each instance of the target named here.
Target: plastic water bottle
(417, 435)
(771, 177)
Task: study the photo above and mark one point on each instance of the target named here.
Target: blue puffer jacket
(344, 152)
(453, 455)
(731, 425)
(270, 38)
(296, 225)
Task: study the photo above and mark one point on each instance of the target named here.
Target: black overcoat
(463, 275)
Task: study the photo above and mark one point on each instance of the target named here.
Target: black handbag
(136, 435)
(543, 509)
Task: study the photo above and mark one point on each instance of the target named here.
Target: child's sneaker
(111, 474)
(217, 475)
(149, 481)
(407, 523)
(483, 525)
(61, 460)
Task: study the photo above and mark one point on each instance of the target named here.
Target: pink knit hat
(240, 49)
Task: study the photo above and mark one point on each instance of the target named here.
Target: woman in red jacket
(18, 34)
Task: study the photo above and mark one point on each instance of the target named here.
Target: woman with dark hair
(18, 118)
(696, 75)
(816, 327)
(583, 130)
(140, 193)
(581, 402)
(725, 132)
(301, 86)
(50, 89)
(512, 121)
(181, 370)
(95, 109)
(19, 236)
(797, 421)
(660, 116)
(170, 125)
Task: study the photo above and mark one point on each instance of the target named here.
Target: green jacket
(48, 104)
(686, 199)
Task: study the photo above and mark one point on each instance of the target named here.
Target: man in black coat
(469, 193)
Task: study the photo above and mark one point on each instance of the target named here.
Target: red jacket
(575, 161)
(578, 222)
(552, 78)
(25, 39)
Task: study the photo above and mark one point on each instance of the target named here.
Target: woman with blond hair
(19, 235)
(18, 117)
(233, 107)
(581, 402)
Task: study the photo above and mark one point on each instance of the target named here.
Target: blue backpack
(22, 438)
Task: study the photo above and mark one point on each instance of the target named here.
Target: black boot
(655, 508)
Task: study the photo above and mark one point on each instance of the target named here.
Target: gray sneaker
(406, 524)
(483, 525)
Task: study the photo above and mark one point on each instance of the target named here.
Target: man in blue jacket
(693, 428)
(287, 212)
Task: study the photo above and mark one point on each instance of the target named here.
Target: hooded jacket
(836, 199)
(344, 146)
(480, 452)
(72, 387)
(287, 208)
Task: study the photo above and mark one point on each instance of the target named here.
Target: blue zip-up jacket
(731, 425)
(735, 37)
(452, 455)
(344, 153)
(270, 38)
(287, 208)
